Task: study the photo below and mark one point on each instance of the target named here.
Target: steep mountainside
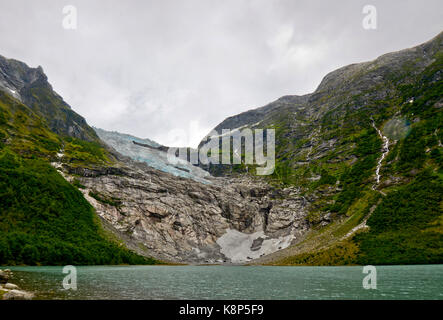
(31, 87)
(358, 178)
(53, 169)
(43, 218)
(181, 220)
(365, 147)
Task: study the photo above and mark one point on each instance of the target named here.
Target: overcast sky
(172, 70)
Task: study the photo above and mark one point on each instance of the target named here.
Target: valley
(344, 191)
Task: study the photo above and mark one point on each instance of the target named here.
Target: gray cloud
(172, 70)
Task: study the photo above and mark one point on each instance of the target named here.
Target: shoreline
(11, 291)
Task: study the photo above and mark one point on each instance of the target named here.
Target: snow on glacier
(123, 143)
(237, 246)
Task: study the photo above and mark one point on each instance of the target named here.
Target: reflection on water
(232, 282)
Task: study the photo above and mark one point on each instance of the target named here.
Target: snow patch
(234, 130)
(237, 246)
(14, 93)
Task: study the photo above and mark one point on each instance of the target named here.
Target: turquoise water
(232, 282)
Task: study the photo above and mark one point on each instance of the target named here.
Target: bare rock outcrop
(10, 291)
(181, 220)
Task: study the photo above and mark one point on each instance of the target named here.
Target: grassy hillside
(406, 226)
(43, 218)
(327, 145)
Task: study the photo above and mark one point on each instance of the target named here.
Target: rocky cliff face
(329, 169)
(334, 167)
(367, 129)
(31, 87)
(155, 213)
(181, 220)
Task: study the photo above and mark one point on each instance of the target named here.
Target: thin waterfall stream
(385, 151)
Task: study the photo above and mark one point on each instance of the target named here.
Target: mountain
(152, 153)
(69, 198)
(43, 218)
(358, 178)
(354, 86)
(30, 86)
(365, 147)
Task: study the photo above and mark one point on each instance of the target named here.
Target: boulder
(4, 277)
(17, 295)
(10, 286)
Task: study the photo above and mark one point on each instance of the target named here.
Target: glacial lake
(232, 282)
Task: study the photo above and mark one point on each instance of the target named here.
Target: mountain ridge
(240, 119)
(329, 147)
(31, 87)
(336, 195)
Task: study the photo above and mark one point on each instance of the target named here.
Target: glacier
(157, 159)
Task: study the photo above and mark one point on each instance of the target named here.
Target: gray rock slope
(181, 220)
(239, 219)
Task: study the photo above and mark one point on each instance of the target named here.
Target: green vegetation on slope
(354, 179)
(406, 226)
(330, 150)
(44, 220)
(80, 153)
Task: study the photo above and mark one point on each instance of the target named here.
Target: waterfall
(385, 151)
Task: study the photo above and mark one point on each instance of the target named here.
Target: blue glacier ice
(124, 144)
